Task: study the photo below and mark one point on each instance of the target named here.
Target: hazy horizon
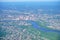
(29, 0)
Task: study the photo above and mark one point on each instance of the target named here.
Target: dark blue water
(35, 25)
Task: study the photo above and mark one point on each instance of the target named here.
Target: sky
(24, 0)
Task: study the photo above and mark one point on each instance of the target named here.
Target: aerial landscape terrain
(29, 21)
